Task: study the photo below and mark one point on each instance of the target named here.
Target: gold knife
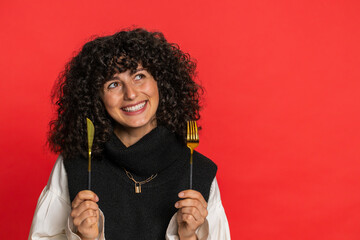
(90, 133)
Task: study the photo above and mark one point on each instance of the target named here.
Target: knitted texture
(145, 215)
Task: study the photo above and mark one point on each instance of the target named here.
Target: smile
(134, 108)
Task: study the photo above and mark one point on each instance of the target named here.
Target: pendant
(137, 188)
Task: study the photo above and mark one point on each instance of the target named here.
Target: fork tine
(196, 132)
(193, 131)
(188, 130)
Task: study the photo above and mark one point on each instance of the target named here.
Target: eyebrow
(137, 70)
(131, 72)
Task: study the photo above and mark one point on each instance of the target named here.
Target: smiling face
(131, 99)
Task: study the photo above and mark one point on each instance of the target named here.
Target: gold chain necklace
(138, 184)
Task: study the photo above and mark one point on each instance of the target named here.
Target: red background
(281, 116)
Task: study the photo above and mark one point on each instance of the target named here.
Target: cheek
(110, 101)
(155, 94)
(155, 99)
(153, 90)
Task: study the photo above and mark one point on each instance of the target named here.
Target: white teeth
(134, 108)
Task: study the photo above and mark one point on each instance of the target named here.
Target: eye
(139, 76)
(113, 85)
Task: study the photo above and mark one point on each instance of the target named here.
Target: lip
(130, 105)
(136, 112)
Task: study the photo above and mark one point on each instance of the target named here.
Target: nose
(130, 92)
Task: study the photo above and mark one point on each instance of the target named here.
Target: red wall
(281, 116)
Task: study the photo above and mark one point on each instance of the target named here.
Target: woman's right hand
(85, 214)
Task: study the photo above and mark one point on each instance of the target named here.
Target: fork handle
(191, 169)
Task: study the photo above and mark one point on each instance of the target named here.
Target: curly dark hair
(76, 93)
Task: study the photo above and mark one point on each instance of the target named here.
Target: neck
(130, 136)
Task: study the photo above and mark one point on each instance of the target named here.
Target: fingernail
(176, 204)
(181, 194)
(97, 198)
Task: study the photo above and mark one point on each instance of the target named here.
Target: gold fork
(192, 141)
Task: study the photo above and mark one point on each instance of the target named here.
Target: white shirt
(52, 215)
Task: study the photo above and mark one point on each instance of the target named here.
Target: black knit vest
(145, 215)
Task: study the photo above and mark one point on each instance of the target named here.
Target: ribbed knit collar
(148, 155)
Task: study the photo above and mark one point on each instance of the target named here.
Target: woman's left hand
(191, 214)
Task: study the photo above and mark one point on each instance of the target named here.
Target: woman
(138, 90)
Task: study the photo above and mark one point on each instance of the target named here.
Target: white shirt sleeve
(52, 214)
(215, 227)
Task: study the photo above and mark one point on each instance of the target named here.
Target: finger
(193, 194)
(190, 221)
(179, 217)
(188, 202)
(85, 205)
(187, 221)
(89, 227)
(194, 212)
(82, 196)
(84, 216)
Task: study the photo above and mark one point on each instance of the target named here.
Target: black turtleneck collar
(145, 215)
(147, 156)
